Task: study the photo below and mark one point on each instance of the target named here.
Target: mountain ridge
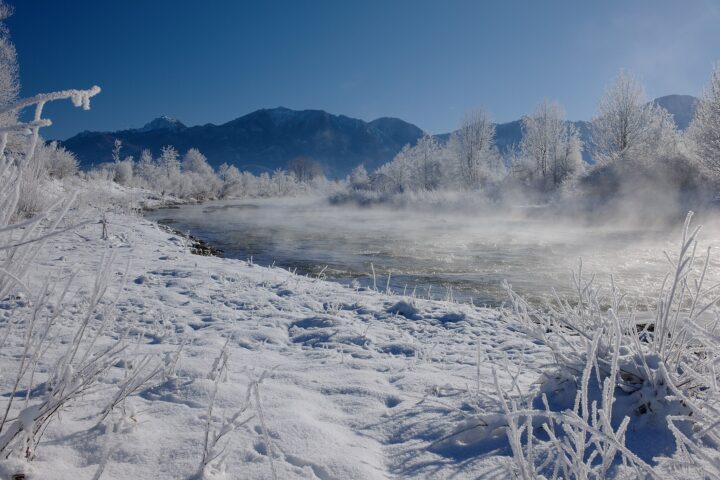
(267, 139)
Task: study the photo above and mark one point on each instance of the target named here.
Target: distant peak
(282, 116)
(687, 98)
(387, 121)
(681, 107)
(396, 127)
(163, 122)
(281, 113)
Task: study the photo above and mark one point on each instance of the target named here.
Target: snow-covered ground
(350, 384)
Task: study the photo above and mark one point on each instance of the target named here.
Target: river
(462, 255)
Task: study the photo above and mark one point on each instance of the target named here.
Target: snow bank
(345, 385)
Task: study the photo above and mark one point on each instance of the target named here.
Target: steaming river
(465, 256)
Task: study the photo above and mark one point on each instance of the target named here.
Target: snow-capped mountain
(162, 123)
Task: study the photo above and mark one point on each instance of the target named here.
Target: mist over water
(465, 254)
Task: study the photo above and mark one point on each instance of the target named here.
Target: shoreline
(197, 245)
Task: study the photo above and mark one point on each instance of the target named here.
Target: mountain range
(268, 139)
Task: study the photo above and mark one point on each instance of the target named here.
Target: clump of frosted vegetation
(191, 177)
(47, 364)
(629, 393)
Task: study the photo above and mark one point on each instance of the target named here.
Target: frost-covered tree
(397, 172)
(305, 169)
(9, 80)
(628, 128)
(359, 178)
(117, 148)
(570, 164)
(473, 145)
(192, 178)
(146, 169)
(551, 147)
(704, 131)
(195, 161)
(222, 171)
(169, 162)
(202, 183)
(283, 183)
(168, 173)
(231, 179)
(426, 159)
(414, 168)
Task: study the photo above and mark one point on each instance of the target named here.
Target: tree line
(627, 133)
(629, 137)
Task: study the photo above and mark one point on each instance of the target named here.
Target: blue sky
(426, 62)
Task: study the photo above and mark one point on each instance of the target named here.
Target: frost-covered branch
(25, 128)
(79, 98)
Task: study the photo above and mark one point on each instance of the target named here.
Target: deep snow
(357, 384)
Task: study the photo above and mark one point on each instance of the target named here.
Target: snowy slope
(357, 384)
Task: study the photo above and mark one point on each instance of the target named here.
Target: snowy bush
(33, 197)
(359, 178)
(280, 183)
(192, 177)
(621, 377)
(122, 170)
(58, 162)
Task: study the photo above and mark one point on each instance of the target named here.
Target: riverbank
(351, 383)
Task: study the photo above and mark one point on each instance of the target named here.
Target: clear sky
(426, 62)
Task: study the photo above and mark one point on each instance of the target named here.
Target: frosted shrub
(106, 173)
(33, 197)
(123, 173)
(21, 242)
(59, 162)
(359, 178)
(626, 389)
(53, 365)
(78, 368)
